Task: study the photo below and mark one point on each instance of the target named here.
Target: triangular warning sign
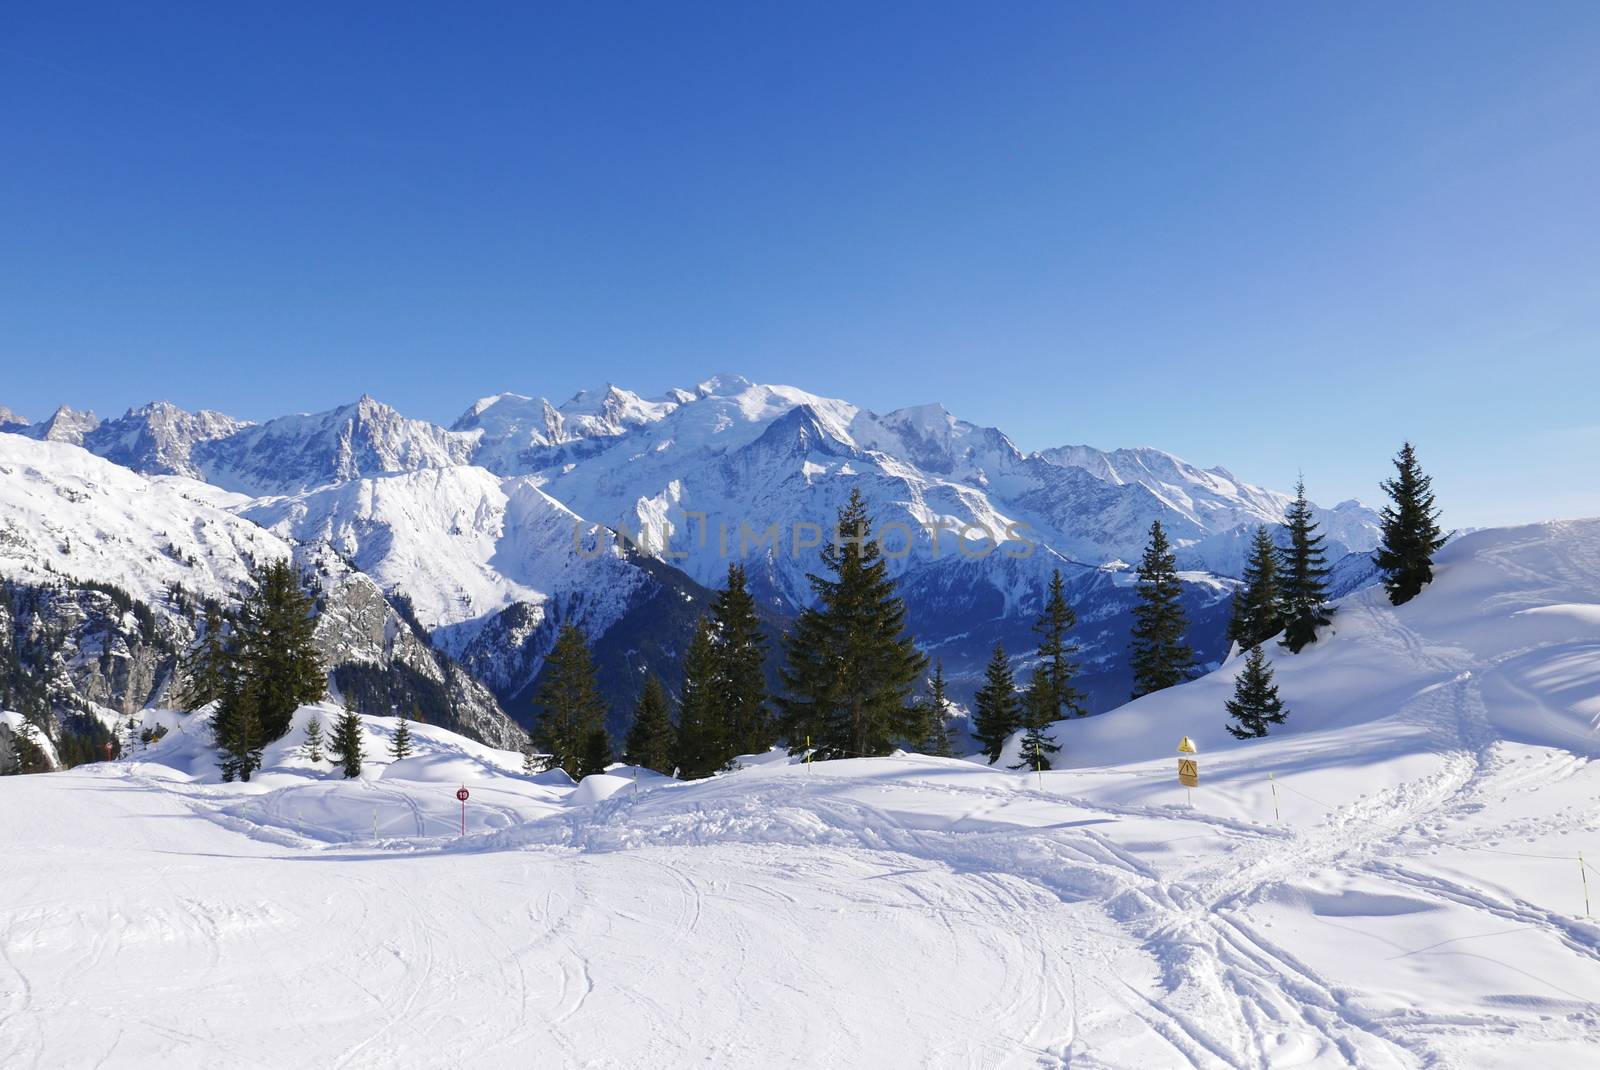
(1186, 746)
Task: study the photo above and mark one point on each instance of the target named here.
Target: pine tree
(531, 761)
(314, 742)
(1160, 657)
(933, 735)
(596, 752)
(850, 668)
(276, 647)
(741, 691)
(570, 704)
(652, 740)
(1411, 533)
(1302, 576)
(1038, 711)
(1055, 652)
(345, 746)
(1255, 703)
(400, 744)
(703, 747)
(207, 667)
(236, 727)
(997, 709)
(1256, 603)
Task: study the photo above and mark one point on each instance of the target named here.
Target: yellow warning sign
(1185, 746)
(1189, 772)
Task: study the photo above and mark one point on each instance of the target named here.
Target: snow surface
(1416, 901)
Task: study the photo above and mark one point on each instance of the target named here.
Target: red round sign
(462, 794)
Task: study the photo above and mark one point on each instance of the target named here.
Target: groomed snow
(1417, 903)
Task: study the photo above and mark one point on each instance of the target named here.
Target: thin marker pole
(1275, 816)
(1584, 873)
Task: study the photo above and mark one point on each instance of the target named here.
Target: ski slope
(1416, 899)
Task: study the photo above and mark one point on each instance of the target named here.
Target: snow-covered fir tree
(997, 708)
(1255, 703)
(850, 669)
(652, 738)
(400, 742)
(1056, 650)
(1039, 709)
(1256, 609)
(570, 706)
(345, 746)
(1302, 576)
(1159, 655)
(1411, 532)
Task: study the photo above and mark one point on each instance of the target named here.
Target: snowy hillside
(1411, 898)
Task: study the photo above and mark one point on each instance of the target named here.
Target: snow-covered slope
(1405, 891)
(67, 513)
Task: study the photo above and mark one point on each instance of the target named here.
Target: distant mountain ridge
(489, 516)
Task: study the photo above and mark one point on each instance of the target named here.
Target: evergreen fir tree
(703, 747)
(400, 744)
(1255, 703)
(1411, 533)
(1302, 576)
(345, 746)
(570, 704)
(997, 708)
(741, 690)
(207, 667)
(1160, 657)
(531, 762)
(276, 647)
(1038, 711)
(850, 668)
(933, 737)
(1056, 650)
(1256, 603)
(314, 741)
(596, 752)
(236, 727)
(652, 739)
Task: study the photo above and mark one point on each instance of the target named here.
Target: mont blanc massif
(450, 557)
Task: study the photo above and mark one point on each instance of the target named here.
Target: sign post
(1188, 769)
(462, 793)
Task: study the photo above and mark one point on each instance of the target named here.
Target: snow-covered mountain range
(507, 523)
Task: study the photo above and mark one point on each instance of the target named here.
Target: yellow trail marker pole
(808, 754)
(1584, 873)
(1275, 815)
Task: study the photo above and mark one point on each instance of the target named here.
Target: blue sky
(1263, 236)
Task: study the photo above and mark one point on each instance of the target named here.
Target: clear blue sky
(1263, 236)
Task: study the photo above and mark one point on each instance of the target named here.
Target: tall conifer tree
(314, 739)
(276, 647)
(652, 739)
(997, 709)
(741, 689)
(850, 667)
(1302, 576)
(400, 744)
(1411, 533)
(206, 668)
(1038, 711)
(345, 746)
(933, 735)
(1256, 606)
(1160, 657)
(571, 708)
(1056, 650)
(702, 737)
(1255, 703)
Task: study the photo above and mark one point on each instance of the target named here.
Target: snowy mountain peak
(64, 425)
(723, 384)
(12, 421)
